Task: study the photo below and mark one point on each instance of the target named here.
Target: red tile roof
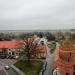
(10, 44)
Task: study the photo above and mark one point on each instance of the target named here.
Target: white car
(7, 67)
(15, 57)
(56, 71)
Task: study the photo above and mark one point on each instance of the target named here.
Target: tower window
(67, 73)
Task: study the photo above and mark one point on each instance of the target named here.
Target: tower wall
(64, 60)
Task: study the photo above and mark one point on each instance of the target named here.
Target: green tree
(50, 37)
(7, 37)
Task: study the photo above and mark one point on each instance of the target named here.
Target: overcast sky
(37, 14)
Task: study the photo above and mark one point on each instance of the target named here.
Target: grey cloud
(37, 14)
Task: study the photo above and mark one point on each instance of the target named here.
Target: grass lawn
(51, 45)
(32, 69)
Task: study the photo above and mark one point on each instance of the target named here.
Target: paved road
(3, 71)
(50, 61)
(11, 72)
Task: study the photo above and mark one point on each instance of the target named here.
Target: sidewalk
(49, 65)
(49, 60)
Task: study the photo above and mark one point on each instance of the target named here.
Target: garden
(32, 68)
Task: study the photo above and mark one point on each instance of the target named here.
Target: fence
(43, 69)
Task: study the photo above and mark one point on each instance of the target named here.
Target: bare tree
(29, 48)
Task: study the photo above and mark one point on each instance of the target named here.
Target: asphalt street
(50, 61)
(11, 72)
(3, 71)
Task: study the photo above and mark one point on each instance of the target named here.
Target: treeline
(7, 37)
(49, 36)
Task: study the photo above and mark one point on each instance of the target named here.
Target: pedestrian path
(50, 60)
(49, 65)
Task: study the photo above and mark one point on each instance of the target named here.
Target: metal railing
(43, 69)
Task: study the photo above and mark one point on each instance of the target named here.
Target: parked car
(16, 57)
(10, 57)
(45, 65)
(55, 71)
(7, 67)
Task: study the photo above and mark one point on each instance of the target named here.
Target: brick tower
(65, 57)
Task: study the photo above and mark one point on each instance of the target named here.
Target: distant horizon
(39, 30)
(33, 29)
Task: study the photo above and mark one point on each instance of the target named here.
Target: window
(13, 53)
(10, 53)
(67, 73)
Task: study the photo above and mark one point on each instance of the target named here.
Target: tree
(73, 36)
(22, 36)
(40, 34)
(7, 37)
(29, 48)
(67, 44)
(50, 37)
